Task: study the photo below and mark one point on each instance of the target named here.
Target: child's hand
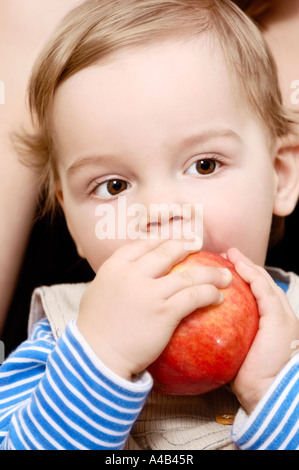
(278, 328)
(130, 310)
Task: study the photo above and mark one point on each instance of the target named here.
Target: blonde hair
(97, 29)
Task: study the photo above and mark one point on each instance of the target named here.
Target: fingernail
(198, 242)
(226, 273)
(220, 299)
(193, 245)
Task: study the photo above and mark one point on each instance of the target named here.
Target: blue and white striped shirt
(58, 395)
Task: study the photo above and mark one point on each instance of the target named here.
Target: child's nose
(164, 213)
(166, 220)
(168, 213)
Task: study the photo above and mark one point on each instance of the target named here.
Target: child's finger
(262, 284)
(176, 281)
(135, 249)
(272, 302)
(187, 300)
(164, 256)
(235, 256)
(262, 289)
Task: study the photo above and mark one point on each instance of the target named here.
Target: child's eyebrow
(210, 134)
(201, 137)
(84, 162)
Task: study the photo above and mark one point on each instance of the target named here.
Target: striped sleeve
(274, 424)
(60, 396)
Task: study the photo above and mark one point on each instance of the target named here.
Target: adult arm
(24, 28)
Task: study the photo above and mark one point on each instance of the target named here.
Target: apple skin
(209, 345)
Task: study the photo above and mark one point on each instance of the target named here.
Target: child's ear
(286, 166)
(59, 195)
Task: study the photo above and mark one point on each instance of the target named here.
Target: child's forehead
(169, 69)
(148, 62)
(145, 62)
(166, 96)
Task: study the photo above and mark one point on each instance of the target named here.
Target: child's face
(140, 125)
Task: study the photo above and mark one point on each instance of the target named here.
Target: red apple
(209, 345)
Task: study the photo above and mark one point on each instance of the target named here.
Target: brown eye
(205, 167)
(110, 188)
(115, 187)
